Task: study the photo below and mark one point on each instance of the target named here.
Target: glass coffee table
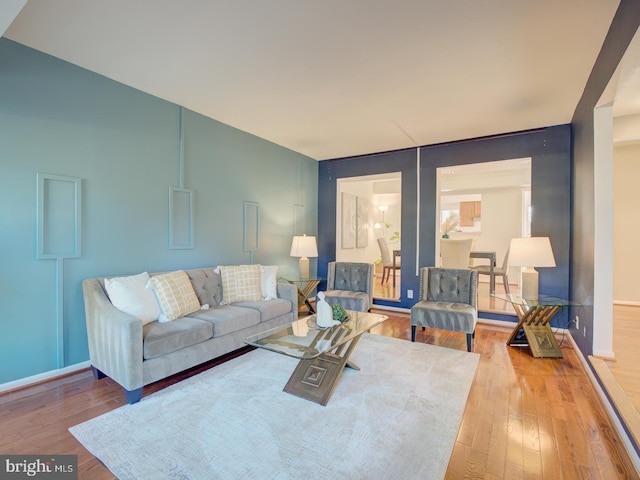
(323, 353)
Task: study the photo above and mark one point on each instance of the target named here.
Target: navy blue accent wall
(403, 161)
(622, 30)
(550, 151)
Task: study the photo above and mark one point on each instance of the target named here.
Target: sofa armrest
(289, 292)
(115, 337)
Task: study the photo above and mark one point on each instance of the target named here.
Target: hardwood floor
(626, 323)
(525, 417)
(386, 290)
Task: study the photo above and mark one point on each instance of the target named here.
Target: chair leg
(469, 337)
(413, 333)
(505, 280)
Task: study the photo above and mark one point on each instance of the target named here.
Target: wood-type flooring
(525, 417)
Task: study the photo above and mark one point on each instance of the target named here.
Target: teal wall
(124, 145)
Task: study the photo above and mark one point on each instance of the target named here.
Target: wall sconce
(382, 208)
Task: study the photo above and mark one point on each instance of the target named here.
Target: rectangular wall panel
(59, 216)
(251, 230)
(180, 218)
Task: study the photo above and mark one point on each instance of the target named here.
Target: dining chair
(454, 253)
(502, 271)
(387, 261)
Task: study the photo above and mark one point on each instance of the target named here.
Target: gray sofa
(134, 355)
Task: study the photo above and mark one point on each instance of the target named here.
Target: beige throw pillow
(241, 283)
(175, 295)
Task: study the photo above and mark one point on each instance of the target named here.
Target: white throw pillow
(129, 295)
(268, 281)
(175, 294)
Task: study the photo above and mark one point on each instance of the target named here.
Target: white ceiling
(336, 78)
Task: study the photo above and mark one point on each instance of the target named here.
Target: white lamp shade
(303, 246)
(531, 252)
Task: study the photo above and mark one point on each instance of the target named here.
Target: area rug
(397, 417)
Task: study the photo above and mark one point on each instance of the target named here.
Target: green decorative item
(339, 313)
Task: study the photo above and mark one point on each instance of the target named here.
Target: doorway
(368, 213)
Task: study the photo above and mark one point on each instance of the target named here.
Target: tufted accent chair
(448, 301)
(351, 285)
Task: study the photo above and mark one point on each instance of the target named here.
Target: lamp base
(304, 268)
(530, 283)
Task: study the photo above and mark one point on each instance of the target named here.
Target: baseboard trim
(497, 323)
(390, 308)
(43, 377)
(627, 303)
(623, 405)
(624, 436)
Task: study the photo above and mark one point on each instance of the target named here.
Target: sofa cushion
(228, 318)
(240, 283)
(268, 309)
(207, 284)
(175, 294)
(457, 317)
(162, 338)
(130, 295)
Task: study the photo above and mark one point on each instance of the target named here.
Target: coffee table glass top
(541, 301)
(303, 339)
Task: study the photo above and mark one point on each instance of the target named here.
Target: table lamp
(304, 247)
(531, 252)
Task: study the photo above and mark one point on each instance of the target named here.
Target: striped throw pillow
(241, 283)
(175, 295)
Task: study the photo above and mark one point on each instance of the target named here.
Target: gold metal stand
(533, 329)
(305, 289)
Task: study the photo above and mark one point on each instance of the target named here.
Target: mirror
(490, 203)
(368, 214)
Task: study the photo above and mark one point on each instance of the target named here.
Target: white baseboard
(626, 440)
(41, 377)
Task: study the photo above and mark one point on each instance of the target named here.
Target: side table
(305, 289)
(533, 327)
